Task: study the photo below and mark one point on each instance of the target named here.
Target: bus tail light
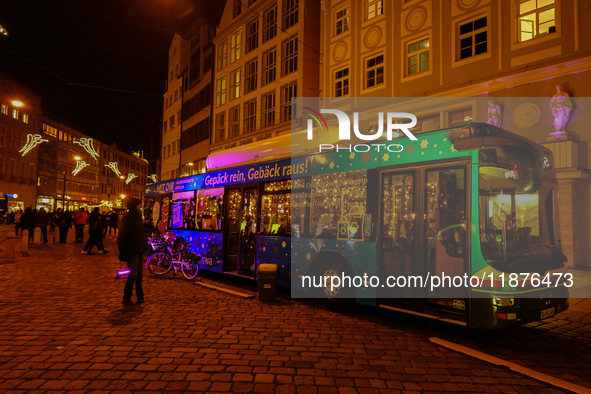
(507, 316)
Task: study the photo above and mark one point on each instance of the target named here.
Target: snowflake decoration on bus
(88, 146)
(32, 141)
(130, 177)
(79, 166)
(115, 167)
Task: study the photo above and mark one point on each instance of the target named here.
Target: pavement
(63, 329)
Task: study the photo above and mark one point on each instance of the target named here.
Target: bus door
(240, 242)
(446, 250)
(398, 254)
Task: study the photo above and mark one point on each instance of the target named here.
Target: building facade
(122, 175)
(20, 134)
(69, 166)
(178, 59)
(487, 48)
(266, 53)
(196, 110)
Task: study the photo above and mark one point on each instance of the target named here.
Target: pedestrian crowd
(97, 223)
(131, 237)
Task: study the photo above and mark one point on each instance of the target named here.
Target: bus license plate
(547, 313)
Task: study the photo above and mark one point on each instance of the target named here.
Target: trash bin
(267, 276)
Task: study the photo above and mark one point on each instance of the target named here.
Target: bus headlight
(503, 301)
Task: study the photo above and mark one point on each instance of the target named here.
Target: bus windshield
(515, 226)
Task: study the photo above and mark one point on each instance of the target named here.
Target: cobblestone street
(62, 328)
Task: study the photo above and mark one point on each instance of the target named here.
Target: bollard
(9, 249)
(25, 238)
(37, 236)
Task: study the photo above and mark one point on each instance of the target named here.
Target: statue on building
(494, 114)
(561, 107)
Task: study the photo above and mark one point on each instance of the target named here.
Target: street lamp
(17, 103)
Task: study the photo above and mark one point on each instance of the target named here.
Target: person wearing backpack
(95, 232)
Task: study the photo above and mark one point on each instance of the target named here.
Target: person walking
(41, 221)
(104, 223)
(113, 220)
(95, 232)
(28, 223)
(80, 220)
(17, 221)
(132, 242)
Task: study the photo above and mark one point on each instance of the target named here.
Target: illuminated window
(250, 75)
(250, 115)
(25, 118)
(374, 71)
(234, 126)
(4, 109)
(220, 92)
(269, 66)
(341, 84)
(473, 38)
(222, 55)
(290, 13)
(289, 59)
(535, 18)
(268, 109)
(417, 57)
(235, 84)
(374, 8)
(342, 21)
(252, 35)
(15, 113)
(236, 45)
(288, 93)
(269, 23)
(208, 210)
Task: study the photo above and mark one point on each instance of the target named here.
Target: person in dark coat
(132, 242)
(95, 232)
(41, 221)
(113, 219)
(63, 220)
(28, 222)
(104, 223)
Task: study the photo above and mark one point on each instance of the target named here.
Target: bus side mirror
(530, 166)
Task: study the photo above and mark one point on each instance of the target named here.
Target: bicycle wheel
(190, 269)
(159, 263)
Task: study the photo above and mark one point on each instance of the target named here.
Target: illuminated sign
(88, 146)
(32, 141)
(12, 195)
(79, 166)
(153, 177)
(130, 177)
(115, 167)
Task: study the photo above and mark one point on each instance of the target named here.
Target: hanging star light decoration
(79, 166)
(115, 167)
(130, 177)
(32, 141)
(153, 178)
(88, 146)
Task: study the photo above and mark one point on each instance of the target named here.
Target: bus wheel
(337, 298)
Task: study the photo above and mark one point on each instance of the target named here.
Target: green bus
(474, 202)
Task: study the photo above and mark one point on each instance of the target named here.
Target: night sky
(114, 44)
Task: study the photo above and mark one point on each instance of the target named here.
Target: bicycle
(172, 252)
